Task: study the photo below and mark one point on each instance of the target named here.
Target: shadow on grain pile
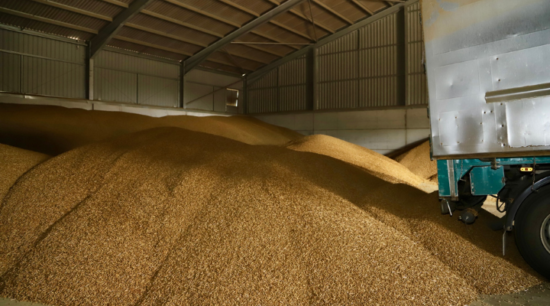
(179, 217)
(53, 130)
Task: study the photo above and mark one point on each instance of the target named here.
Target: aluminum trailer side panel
(488, 67)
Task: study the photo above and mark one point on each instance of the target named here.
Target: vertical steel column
(89, 77)
(401, 57)
(245, 95)
(182, 86)
(310, 89)
(315, 76)
(278, 101)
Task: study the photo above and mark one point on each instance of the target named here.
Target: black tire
(534, 244)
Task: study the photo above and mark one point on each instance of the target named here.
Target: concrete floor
(535, 296)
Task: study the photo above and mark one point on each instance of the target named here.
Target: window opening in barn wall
(232, 97)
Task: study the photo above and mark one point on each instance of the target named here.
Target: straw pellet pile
(418, 161)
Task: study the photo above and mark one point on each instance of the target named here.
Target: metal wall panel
(198, 96)
(262, 100)
(134, 79)
(338, 66)
(377, 65)
(293, 72)
(124, 62)
(52, 78)
(292, 85)
(158, 91)
(116, 86)
(293, 98)
(380, 33)
(417, 91)
(39, 65)
(41, 46)
(269, 80)
(344, 43)
(10, 72)
(338, 95)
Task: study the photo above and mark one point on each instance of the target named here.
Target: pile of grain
(418, 161)
(14, 162)
(179, 217)
(53, 130)
(371, 161)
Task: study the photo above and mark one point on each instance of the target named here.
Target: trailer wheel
(532, 231)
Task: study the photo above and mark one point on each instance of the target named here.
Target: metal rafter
(251, 12)
(181, 23)
(202, 12)
(110, 30)
(195, 60)
(73, 9)
(47, 20)
(199, 29)
(141, 28)
(117, 3)
(228, 22)
(333, 12)
(304, 17)
(363, 7)
(266, 69)
(172, 50)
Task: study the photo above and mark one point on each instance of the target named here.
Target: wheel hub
(545, 233)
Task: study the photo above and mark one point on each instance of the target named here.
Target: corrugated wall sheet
(263, 95)
(417, 90)
(378, 77)
(378, 65)
(125, 78)
(337, 86)
(38, 65)
(282, 89)
(292, 85)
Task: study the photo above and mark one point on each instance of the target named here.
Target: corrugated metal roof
(173, 11)
(174, 29)
(98, 7)
(43, 27)
(158, 40)
(38, 9)
(219, 9)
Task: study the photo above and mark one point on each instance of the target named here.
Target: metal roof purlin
(110, 30)
(196, 59)
(266, 69)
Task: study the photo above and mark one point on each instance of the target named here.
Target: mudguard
(540, 181)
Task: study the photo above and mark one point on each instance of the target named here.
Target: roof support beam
(117, 3)
(196, 59)
(110, 30)
(199, 11)
(361, 6)
(228, 22)
(254, 76)
(47, 20)
(250, 12)
(304, 17)
(333, 12)
(73, 9)
(175, 51)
